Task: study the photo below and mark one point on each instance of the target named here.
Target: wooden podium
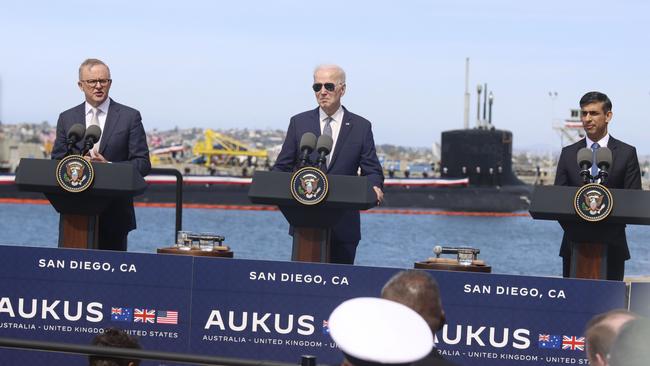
(79, 212)
(311, 225)
(589, 240)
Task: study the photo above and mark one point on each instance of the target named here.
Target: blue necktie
(594, 166)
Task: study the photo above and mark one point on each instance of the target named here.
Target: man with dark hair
(123, 140)
(601, 331)
(114, 337)
(353, 151)
(420, 292)
(624, 173)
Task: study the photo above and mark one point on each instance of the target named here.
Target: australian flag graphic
(121, 314)
(549, 341)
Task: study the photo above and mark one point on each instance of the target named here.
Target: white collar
(102, 107)
(336, 117)
(602, 142)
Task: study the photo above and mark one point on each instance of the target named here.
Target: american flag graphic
(144, 315)
(167, 317)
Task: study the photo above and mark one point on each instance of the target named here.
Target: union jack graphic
(144, 315)
(573, 343)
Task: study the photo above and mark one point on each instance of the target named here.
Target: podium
(312, 224)
(78, 225)
(589, 240)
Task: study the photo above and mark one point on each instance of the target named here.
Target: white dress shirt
(102, 112)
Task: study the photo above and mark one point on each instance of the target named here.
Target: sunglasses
(328, 86)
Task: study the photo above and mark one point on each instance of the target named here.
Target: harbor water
(515, 245)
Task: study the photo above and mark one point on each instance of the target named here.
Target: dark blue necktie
(594, 166)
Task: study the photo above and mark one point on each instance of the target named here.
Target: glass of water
(206, 241)
(183, 241)
(465, 257)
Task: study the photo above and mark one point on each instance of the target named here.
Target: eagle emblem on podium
(593, 202)
(309, 186)
(74, 173)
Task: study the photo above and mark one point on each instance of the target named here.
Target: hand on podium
(96, 157)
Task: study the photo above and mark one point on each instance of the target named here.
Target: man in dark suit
(353, 151)
(123, 140)
(420, 292)
(624, 173)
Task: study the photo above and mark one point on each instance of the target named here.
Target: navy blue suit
(354, 150)
(623, 174)
(123, 141)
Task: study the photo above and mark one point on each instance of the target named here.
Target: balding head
(419, 291)
(335, 70)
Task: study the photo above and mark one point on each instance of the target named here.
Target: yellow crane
(222, 146)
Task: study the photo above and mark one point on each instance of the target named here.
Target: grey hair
(340, 73)
(88, 63)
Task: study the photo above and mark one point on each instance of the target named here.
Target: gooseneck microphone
(307, 145)
(604, 161)
(584, 162)
(75, 133)
(323, 147)
(92, 136)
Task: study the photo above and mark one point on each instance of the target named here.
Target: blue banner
(279, 310)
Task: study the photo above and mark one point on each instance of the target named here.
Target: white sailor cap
(373, 331)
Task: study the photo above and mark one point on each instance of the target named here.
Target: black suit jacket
(623, 174)
(123, 141)
(354, 150)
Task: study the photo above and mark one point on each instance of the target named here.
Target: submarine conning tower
(483, 155)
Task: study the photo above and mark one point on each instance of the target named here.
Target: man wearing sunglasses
(123, 140)
(353, 151)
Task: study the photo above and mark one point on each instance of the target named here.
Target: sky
(249, 64)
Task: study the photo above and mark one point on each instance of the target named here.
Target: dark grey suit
(123, 141)
(623, 174)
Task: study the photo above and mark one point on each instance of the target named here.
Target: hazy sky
(224, 64)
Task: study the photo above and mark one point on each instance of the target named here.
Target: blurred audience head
(601, 332)
(114, 337)
(420, 292)
(632, 346)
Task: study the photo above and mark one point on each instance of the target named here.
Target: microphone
(323, 147)
(75, 133)
(307, 145)
(92, 136)
(604, 161)
(584, 162)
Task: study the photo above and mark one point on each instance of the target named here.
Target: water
(511, 245)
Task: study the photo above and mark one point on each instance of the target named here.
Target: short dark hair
(114, 337)
(596, 97)
(420, 292)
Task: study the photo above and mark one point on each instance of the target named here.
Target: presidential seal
(309, 186)
(74, 173)
(593, 202)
